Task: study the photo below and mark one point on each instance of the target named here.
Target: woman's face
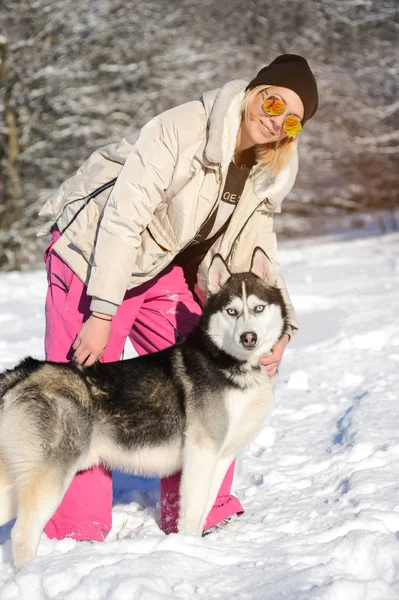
(262, 128)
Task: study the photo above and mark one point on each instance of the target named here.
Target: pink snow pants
(149, 316)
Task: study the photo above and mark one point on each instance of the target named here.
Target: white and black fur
(190, 407)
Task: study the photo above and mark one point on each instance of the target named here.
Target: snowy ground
(319, 484)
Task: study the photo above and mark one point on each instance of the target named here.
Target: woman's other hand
(92, 339)
(272, 362)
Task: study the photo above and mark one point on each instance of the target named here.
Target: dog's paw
(22, 550)
(21, 556)
(191, 526)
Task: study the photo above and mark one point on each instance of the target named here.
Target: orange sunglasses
(274, 106)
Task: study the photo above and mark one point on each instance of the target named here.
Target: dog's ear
(218, 274)
(262, 267)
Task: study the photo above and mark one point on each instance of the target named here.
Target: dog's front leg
(220, 471)
(199, 463)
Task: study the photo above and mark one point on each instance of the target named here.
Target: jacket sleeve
(138, 191)
(269, 245)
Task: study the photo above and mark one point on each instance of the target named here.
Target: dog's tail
(11, 377)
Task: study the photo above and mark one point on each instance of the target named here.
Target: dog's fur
(190, 407)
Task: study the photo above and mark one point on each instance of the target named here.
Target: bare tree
(76, 75)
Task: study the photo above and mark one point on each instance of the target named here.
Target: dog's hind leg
(39, 492)
(8, 509)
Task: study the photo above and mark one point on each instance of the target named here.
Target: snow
(320, 483)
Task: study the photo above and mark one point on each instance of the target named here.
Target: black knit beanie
(293, 72)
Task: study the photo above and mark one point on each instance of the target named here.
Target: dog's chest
(246, 412)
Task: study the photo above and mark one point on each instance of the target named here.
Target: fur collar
(224, 109)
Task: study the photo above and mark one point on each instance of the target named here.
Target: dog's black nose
(248, 339)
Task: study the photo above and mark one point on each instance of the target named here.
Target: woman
(134, 231)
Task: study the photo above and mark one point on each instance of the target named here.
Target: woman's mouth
(266, 130)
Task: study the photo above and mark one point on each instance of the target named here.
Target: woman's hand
(92, 339)
(272, 362)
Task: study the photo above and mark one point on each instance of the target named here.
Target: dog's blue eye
(259, 308)
(232, 312)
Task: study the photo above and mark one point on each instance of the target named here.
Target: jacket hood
(223, 108)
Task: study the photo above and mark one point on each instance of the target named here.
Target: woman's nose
(278, 121)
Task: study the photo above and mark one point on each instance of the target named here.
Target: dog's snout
(248, 339)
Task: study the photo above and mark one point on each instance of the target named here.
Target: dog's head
(245, 312)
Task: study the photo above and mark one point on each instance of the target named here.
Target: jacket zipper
(218, 179)
(87, 199)
(234, 244)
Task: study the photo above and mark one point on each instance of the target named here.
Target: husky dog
(190, 407)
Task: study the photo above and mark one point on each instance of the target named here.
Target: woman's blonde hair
(275, 155)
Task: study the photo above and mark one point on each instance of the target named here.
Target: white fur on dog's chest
(247, 411)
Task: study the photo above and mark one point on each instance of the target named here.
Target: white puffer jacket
(169, 177)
